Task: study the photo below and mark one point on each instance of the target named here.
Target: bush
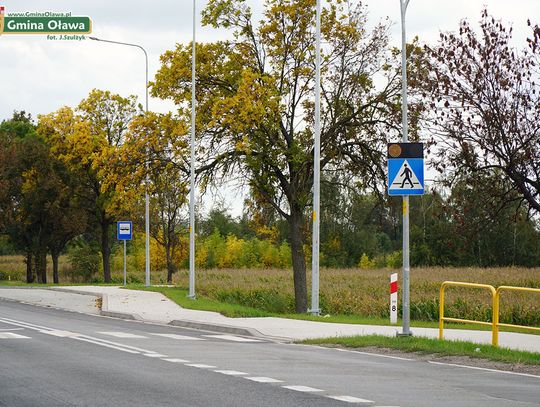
(394, 260)
(365, 263)
(85, 261)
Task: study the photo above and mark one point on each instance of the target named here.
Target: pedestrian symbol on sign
(405, 178)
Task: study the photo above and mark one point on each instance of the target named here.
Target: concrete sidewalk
(154, 307)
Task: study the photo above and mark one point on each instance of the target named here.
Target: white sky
(40, 76)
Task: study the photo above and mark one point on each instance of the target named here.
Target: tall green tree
(37, 210)
(256, 110)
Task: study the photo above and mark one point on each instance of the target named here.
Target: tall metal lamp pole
(147, 199)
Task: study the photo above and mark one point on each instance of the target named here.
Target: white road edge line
(78, 338)
(484, 369)
(373, 354)
(231, 338)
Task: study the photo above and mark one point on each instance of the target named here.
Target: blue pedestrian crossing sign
(405, 169)
(125, 230)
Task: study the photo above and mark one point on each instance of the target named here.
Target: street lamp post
(192, 170)
(316, 170)
(406, 266)
(147, 200)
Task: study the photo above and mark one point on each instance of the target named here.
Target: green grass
(433, 346)
(179, 296)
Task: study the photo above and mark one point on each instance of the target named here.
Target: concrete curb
(104, 304)
(67, 290)
(234, 330)
(114, 314)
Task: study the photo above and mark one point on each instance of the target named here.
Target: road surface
(50, 357)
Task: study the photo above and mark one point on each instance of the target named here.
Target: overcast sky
(39, 75)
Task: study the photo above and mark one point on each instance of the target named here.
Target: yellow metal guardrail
(521, 289)
(496, 298)
(495, 319)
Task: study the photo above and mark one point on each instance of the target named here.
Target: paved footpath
(154, 307)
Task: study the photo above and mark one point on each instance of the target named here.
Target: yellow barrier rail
(521, 289)
(495, 314)
(496, 299)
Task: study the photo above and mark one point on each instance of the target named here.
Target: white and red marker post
(393, 298)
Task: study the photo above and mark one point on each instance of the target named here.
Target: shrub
(85, 261)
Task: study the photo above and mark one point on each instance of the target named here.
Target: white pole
(316, 170)
(192, 177)
(406, 265)
(147, 199)
(125, 270)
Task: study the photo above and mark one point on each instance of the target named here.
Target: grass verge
(433, 346)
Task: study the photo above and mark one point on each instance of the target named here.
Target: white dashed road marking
(180, 337)
(172, 360)
(232, 338)
(155, 355)
(231, 372)
(200, 366)
(302, 388)
(62, 334)
(350, 399)
(123, 335)
(264, 380)
(10, 335)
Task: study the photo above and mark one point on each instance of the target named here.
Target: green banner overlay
(47, 25)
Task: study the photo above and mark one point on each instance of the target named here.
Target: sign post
(125, 233)
(405, 177)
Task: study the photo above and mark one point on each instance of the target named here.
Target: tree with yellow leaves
(84, 139)
(256, 111)
(155, 145)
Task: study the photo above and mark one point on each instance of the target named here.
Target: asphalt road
(55, 358)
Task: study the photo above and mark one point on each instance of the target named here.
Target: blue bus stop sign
(405, 169)
(125, 230)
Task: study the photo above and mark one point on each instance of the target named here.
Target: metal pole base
(315, 312)
(192, 297)
(404, 334)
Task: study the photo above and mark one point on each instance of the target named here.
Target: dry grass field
(366, 292)
(344, 291)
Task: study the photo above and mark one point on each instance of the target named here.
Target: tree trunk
(40, 266)
(106, 251)
(29, 271)
(170, 266)
(55, 257)
(298, 261)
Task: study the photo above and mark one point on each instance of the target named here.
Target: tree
(256, 110)
(486, 107)
(37, 210)
(159, 141)
(83, 139)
